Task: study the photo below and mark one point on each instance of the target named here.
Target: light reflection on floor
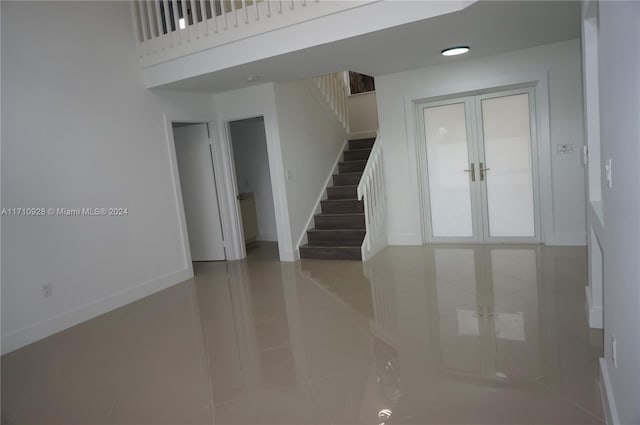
(434, 334)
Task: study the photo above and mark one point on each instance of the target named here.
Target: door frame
(538, 81)
(175, 179)
(210, 129)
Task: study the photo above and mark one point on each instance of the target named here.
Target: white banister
(333, 90)
(212, 23)
(371, 191)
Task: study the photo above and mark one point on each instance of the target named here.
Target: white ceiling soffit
(488, 27)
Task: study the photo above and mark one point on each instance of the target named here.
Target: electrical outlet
(614, 351)
(47, 290)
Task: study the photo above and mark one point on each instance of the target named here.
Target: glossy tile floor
(444, 334)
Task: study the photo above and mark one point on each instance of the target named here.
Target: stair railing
(333, 89)
(167, 29)
(371, 189)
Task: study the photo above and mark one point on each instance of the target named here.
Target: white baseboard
(67, 319)
(287, 255)
(606, 392)
(594, 314)
(568, 239)
(404, 239)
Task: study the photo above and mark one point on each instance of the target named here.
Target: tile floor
(418, 335)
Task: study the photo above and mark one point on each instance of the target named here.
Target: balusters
(194, 20)
(149, 20)
(185, 16)
(157, 29)
(256, 9)
(224, 13)
(161, 39)
(214, 15)
(234, 10)
(146, 36)
(203, 14)
(176, 23)
(371, 192)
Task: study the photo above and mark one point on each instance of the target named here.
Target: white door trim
(540, 84)
(175, 179)
(276, 170)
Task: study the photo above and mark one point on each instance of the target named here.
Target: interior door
(506, 166)
(452, 189)
(197, 181)
(481, 170)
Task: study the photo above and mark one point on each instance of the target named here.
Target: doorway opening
(199, 191)
(254, 187)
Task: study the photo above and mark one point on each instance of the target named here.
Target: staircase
(340, 227)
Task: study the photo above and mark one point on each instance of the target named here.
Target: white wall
(363, 114)
(311, 140)
(252, 172)
(251, 102)
(80, 130)
(619, 75)
(560, 63)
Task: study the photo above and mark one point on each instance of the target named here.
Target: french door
(481, 170)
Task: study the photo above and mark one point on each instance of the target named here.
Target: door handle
(472, 170)
(482, 170)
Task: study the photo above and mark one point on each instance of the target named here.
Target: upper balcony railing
(167, 29)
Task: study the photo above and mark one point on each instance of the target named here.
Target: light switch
(607, 173)
(564, 148)
(289, 175)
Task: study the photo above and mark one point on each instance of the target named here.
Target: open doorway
(199, 191)
(253, 179)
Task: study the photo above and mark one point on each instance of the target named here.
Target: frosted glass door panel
(507, 152)
(447, 158)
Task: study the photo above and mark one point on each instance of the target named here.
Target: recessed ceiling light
(252, 78)
(453, 51)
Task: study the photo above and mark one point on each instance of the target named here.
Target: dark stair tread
(352, 166)
(356, 155)
(335, 230)
(342, 192)
(361, 143)
(341, 200)
(339, 221)
(331, 252)
(338, 214)
(336, 237)
(346, 179)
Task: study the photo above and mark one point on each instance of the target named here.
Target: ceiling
(488, 27)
